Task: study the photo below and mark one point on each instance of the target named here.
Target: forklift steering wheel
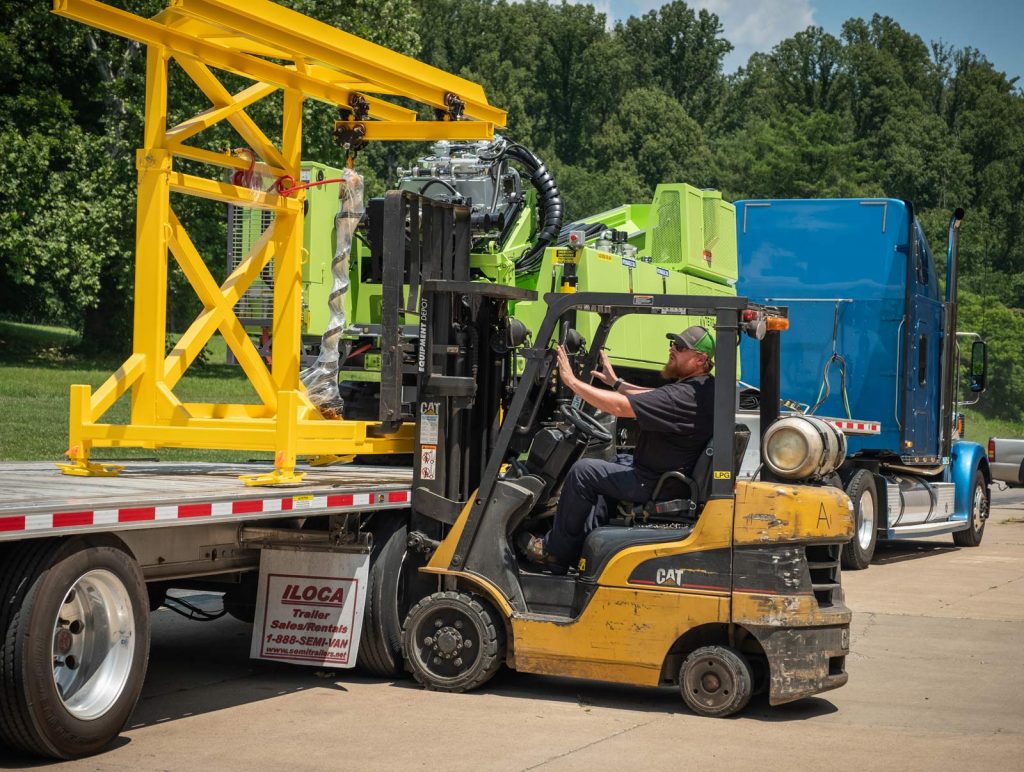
(585, 423)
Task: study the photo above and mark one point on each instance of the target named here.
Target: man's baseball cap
(696, 338)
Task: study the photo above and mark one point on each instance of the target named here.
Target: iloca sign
(309, 609)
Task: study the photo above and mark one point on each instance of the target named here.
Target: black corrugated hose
(549, 201)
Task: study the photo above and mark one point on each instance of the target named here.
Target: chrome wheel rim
(93, 644)
(865, 520)
(978, 509)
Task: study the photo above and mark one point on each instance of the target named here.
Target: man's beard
(672, 371)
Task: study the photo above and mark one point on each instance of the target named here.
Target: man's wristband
(618, 382)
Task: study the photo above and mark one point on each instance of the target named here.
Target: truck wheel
(971, 536)
(857, 553)
(74, 623)
(453, 641)
(716, 681)
(380, 647)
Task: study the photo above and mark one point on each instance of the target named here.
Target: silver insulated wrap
(321, 380)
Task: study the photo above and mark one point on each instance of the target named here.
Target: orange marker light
(777, 323)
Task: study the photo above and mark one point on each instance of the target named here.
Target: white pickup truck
(1006, 460)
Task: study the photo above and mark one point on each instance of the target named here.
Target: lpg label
(309, 607)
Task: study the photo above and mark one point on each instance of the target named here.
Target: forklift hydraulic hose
(549, 203)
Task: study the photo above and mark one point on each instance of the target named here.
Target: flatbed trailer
(84, 560)
(36, 500)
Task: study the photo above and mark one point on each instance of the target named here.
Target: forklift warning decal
(309, 607)
(428, 462)
(429, 414)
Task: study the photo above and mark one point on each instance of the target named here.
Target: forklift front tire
(716, 681)
(453, 641)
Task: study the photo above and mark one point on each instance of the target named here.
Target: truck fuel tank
(914, 501)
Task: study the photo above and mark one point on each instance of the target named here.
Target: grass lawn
(979, 428)
(37, 371)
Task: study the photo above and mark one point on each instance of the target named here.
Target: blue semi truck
(873, 346)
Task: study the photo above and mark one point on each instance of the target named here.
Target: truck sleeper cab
(873, 340)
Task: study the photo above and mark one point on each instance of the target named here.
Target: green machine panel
(247, 224)
(318, 234)
(693, 231)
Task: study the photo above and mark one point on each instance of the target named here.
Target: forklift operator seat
(698, 487)
(680, 514)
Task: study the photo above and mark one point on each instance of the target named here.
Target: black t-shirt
(676, 421)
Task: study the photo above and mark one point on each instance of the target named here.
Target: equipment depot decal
(309, 607)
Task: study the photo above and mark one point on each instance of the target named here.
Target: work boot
(532, 548)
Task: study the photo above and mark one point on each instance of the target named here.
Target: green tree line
(613, 110)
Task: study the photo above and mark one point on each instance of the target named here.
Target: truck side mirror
(978, 375)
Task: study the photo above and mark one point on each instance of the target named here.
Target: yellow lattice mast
(279, 50)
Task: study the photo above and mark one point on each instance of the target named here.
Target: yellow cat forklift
(728, 590)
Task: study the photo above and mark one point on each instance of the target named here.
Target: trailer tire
(977, 517)
(69, 685)
(380, 647)
(861, 489)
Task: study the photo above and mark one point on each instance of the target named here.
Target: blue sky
(994, 27)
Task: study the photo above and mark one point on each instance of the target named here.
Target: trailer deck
(37, 500)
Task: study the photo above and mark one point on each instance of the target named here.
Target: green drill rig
(682, 243)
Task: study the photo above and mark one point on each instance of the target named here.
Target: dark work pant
(581, 506)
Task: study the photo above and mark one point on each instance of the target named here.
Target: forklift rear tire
(716, 681)
(971, 536)
(859, 551)
(74, 645)
(453, 641)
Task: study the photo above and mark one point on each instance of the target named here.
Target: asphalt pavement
(936, 682)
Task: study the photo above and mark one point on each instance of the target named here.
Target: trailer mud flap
(309, 607)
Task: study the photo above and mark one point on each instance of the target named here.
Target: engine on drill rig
(485, 177)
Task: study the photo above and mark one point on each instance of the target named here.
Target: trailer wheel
(857, 553)
(716, 681)
(74, 623)
(453, 641)
(971, 536)
(380, 647)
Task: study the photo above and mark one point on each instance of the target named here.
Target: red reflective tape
(195, 510)
(286, 504)
(135, 515)
(397, 497)
(340, 500)
(245, 507)
(860, 426)
(70, 519)
(12, 523)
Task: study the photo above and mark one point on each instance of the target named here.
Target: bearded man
(675, 422)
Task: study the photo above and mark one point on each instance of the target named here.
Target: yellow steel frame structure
(279, 50)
